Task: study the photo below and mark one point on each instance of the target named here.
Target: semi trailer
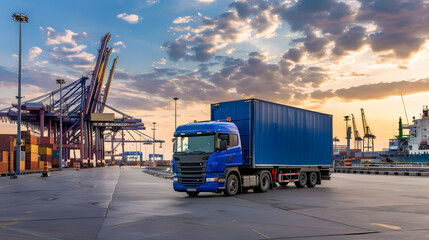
(252, 144)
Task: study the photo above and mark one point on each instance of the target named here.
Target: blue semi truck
(252, 144)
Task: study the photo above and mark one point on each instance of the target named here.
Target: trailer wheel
(192, 194)
(302, 180)
(232, 185)
(312, 179)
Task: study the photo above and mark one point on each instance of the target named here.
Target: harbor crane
(358, 139)
(368, 137)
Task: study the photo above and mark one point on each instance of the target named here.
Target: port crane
(358, 139)
(368, 137)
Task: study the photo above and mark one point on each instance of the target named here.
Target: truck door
(231, 156)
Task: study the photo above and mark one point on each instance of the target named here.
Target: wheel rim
(303, 178)
(313, 178)
(232, 186)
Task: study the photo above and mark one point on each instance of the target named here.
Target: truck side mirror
(222, 145)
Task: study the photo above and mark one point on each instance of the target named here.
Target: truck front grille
(191, 170)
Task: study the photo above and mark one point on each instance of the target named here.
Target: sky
(330, 56)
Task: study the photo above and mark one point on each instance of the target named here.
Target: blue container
(278, 135)
(56, 154)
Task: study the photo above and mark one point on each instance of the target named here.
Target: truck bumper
(208, 187)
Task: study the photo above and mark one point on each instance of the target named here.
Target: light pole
(153, 158)
(21, 18)
(175, 112)
(61, 82)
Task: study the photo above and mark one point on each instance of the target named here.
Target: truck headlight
(175, 179)
(211, 179)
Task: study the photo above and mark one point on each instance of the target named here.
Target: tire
(264, 182)
(192, 194)
(302, 180)
(283, 184)
(312, 179)
(232, 185)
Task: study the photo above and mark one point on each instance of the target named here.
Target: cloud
(130, 18)
(403, 25)
(230, 51)
(327, 28)
(119, 43)
(34, 52)
(69, 37)
(375, 91)
(206, 1)
(214, 34)
(184, 19)
(31, 77)
(65, 49)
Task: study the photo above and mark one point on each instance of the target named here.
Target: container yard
(206, 119)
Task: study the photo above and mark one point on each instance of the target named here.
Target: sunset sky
(330, 56)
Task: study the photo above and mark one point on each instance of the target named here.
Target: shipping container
(31, 148)
(272, 134)
(45, 151)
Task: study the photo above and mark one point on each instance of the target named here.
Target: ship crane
(368, 138)
(358, 139)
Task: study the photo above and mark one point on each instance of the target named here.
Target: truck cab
(203, 151)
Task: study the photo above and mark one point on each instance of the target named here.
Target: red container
(46, 140)
(34, 165)
(46, 158)
(5, 142)
(55, 162)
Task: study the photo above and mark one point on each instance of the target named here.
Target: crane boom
(366, 130)
(368, 138)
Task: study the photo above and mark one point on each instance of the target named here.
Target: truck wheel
(192, 194)
(302, 180)
(264, 182)
(232, 185)
(284, 184)
(312, 179)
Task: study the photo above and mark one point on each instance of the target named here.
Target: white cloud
(163, 61)
(230, 51)
(70, 37)
(206, 1)
(34, 52)
(130, 18)
(119, 43)
(184, 19)
(15, 55)
(151, 2)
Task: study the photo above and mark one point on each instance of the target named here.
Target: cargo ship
(413, 147)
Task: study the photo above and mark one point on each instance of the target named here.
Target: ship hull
(419, 158)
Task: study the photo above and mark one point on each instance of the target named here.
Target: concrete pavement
(113, 203)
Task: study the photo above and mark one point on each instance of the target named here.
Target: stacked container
(31, 151)
(4, 159)
(45, 150)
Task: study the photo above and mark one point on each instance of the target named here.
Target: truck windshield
(195, 144)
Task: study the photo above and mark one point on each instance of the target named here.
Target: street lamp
(21, 18)
(61, 82)
(153, 158)
(175, 112)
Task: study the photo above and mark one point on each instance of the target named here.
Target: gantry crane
(358, 139)
(368, 137)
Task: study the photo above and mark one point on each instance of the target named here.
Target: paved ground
(113, 203)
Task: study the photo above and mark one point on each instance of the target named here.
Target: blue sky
(326, 55)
